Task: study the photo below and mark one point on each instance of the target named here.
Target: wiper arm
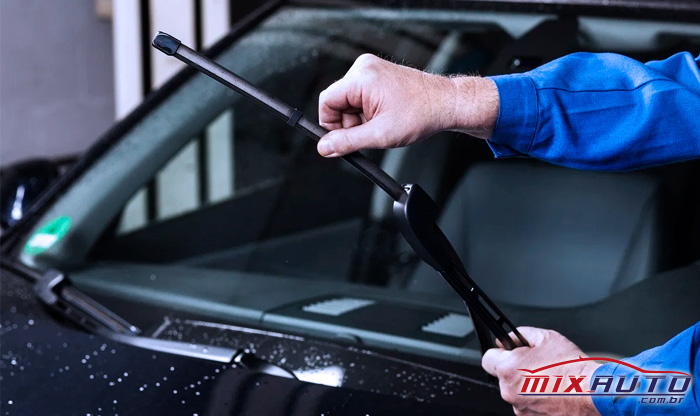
(55, 290)
(414, 210)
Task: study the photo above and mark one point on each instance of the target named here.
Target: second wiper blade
(55, 290)
(414, 210)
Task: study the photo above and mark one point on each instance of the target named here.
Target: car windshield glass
(213, 206)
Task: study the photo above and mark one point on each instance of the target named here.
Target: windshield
(211, 205)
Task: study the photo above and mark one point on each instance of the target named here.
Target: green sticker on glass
(48, 235)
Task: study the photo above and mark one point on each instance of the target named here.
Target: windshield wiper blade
(55, 290)
(414, 210)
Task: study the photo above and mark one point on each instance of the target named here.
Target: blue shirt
(601, 112)
(612, 113)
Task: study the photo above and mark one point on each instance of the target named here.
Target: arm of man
(586, 111)
(601, 112)
(681, 353)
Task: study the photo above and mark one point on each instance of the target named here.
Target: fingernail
(325, 147)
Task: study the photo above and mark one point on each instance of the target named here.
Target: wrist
(474, 103)
(588, 405)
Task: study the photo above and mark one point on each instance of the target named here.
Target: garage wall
(67, 74)
(56, 77)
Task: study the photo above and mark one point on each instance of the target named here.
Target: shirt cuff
(605, 404)
(517, 120)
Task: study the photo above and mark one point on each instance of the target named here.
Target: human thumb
(340, 142)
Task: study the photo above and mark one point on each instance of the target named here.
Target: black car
(201, 258)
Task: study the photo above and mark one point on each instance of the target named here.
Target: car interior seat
(533, 234)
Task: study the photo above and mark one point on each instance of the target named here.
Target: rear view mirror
(21, 184)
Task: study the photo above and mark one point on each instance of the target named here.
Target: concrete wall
(56, 77)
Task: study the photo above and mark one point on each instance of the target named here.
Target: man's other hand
(378, 104)
(546, 347)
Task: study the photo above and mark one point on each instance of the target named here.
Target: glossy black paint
(48, 367)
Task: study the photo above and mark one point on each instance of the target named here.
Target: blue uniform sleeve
(601, 112)
(681, 353)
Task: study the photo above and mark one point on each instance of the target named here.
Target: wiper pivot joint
(55, 290)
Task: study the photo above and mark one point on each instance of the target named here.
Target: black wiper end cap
(166, 43)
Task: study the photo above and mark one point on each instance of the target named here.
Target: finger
(534, 336)
(513, 337)
(525, 411)
(520, 409)
(343, 141)
(334, 101)
(351, 120)
(493, 358)
(499, 344)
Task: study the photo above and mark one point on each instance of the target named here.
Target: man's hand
(378, 104)
(546, 347)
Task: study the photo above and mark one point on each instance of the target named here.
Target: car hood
(47, 367)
